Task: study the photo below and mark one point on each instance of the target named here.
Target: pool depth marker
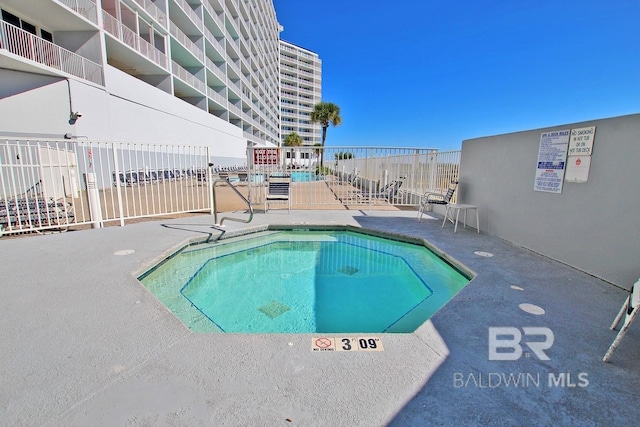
(364, 343)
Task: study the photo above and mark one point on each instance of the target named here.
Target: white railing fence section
(358, 176)
(55, 184)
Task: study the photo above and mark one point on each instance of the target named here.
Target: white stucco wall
(127, 110)
(592, 226)
(34, 105)
(134, 111)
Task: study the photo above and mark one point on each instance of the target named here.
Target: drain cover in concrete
(483, 254)
(531, 309)
(274, 309)
(124, 252)
(348, 270)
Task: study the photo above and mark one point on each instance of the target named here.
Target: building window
(12, 19)
(46, 35)
(30, 28)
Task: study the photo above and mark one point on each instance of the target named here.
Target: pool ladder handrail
(215, 204)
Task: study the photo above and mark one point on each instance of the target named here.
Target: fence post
(212, 203)
(95, 210)
(116, 178)
(433, 168)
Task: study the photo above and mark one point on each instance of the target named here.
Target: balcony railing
(27, 45)
(152, 10)
(216, 96)
(215, 69)
(186, 42)
(134, 41)
(216, 18)
(182, 4)
(236, 110)
(86, 8)
(188, 78)
(212, 39)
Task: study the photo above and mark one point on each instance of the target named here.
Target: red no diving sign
(323, 343)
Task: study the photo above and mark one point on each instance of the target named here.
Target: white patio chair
(430, 198)
(278, 191)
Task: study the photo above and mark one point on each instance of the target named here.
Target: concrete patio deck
(84, 344)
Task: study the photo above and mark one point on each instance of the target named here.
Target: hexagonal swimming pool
(304, 281)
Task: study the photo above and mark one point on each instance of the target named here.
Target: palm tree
(325, 113)
(292, 140)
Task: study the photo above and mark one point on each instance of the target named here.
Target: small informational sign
(265, 156)
(364, 343)
(552, 157)
(581, 142)
(580, 149)
(578, 168)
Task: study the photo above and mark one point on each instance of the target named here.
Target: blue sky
(432, 73)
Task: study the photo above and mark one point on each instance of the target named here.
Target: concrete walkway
(84, 344)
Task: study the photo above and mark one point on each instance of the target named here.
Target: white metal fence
(57, 184)
(352, 176)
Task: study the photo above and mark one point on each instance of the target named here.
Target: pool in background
(305, 282)
(296, 176)
(303, 176)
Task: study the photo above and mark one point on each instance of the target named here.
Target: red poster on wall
(265, 156)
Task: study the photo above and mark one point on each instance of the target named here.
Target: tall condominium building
(161, 71)
(300, 90)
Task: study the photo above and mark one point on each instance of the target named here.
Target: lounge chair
(387, 193)
(278, 191)
(430, 198)
(629, 310)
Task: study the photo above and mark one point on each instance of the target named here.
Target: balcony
(214, 15)
(211, 93)
(153, 11)
(133, 40)
(219, 47)
(186, 42)
(188, 78)
(86, 8)
(31, 47)
(197, 21)
(215, 70)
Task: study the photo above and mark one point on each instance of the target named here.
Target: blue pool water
(303, 176)
(311, 281)
(296, 176)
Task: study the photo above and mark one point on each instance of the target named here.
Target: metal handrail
(215, 204)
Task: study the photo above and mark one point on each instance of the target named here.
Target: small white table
(456, 208)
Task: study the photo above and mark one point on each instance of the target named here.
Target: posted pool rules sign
(552, 159)
(346, 344)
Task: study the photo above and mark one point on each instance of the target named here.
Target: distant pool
(303, 176)
(296, 176)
